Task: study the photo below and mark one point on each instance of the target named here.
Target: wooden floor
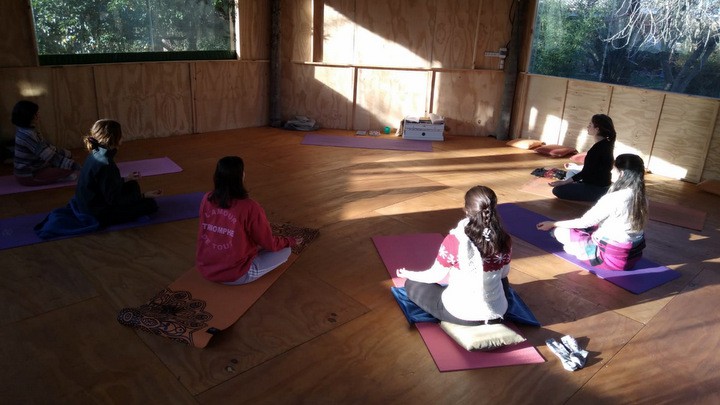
(328, 331)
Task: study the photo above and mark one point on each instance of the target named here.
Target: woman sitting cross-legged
(611, 234)
(476, 255)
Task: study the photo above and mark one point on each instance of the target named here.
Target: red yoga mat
(416, 252)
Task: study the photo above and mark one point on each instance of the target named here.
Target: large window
(88, 31)
(671, 45)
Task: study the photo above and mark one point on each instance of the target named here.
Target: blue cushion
(517, 312)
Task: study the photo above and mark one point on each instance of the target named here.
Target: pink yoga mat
(146, 167)
(417, 252)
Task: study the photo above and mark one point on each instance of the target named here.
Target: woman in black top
(594, 180)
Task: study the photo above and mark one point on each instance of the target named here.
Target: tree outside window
(670, 45)
(76, 27)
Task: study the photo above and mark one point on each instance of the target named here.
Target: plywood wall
(17, 38)
(582, 101)
(543, 108)
(75, 102)
(635, 112)
(150, 100)
(410, 57)
(683, 136)
(469, 100)
(254, 29)
(296, 30)
(394, 33)
(677, 135)
(712, 162)
(385, 97)
(230, 94)
(494, 29)
(321, 92)
(455, 34)
(338, 32)
(33, 84)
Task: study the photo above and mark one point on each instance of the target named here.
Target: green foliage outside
(71, 27)
(612, 41)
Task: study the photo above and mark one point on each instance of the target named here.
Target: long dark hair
(23, 113)
(484, 228)
(632, 176)
(228, 181)
(605, 126)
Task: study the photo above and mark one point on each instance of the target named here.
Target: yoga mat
(672, 214)
(18, 231)
(146, 167)
(521, 222)
(192, 310)
(416, 252)
(367, 142)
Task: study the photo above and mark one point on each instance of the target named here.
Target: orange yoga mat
(192, 310)
(672, 214)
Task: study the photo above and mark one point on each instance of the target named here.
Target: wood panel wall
(321, 92)
(677, 135)
(17, 35)
(155, 99)
(409, 57)
(380, 60)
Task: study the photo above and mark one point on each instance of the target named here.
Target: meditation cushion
(525, 143)
(579, 158)
(555, 150)
(710, 186)
(482, 337)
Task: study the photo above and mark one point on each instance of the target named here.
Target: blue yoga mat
(521, 222)
(367, 142)
(18, 231)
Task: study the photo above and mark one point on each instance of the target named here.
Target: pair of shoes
(572, 357)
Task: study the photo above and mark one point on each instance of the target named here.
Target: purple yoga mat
(367, 142)
(418, 252)
(146, 167)
(521, 222)
(18, 231)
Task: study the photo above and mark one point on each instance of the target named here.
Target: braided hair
(484, 228)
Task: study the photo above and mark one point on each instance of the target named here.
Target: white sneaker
(563, 354)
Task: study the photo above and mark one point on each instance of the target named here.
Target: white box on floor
(424, 130)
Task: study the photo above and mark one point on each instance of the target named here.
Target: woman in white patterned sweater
(476, 257)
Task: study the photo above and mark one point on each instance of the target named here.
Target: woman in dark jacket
(101, 191)
(594, 180)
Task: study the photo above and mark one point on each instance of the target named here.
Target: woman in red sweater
(235, 242)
